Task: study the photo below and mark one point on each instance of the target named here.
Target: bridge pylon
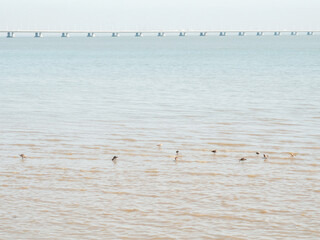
(38, 35)
(10, 35)
(65, 35)
(91, 34)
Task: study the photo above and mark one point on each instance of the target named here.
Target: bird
(159, 145)
(176, 158)
(257, 153)
(214, 151)
(265, 156)
(114, 158)
(177, 152)
(23, 156)
(242, 159)
(293, 154)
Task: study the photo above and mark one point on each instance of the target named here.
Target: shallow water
(70, 105)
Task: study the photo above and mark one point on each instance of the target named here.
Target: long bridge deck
(160, 33)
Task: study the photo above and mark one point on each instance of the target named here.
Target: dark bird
(242, 159)
(214, 151)
(114, 158)
(257, 153)
(177, 152)
(23, 156)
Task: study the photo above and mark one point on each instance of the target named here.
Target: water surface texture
(71, 104)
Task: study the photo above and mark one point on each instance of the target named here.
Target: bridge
(160, 33)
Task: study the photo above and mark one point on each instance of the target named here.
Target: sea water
(72, 104)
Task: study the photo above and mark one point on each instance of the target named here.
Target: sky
(160, 14)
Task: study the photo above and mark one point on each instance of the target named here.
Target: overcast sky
(160, 14)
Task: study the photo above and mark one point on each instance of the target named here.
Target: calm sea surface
(70, 105)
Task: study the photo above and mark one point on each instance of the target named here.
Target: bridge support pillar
(259, 33)
(203, 34)
(309, 33)
(293, 33)
(91, 34)
(115, 34)
(138, 34)
(10, 35)
(161, 34)
(276, 34)
(241, 34)
(38, 35)
(65, 35)
(182, 34)
(222, 34)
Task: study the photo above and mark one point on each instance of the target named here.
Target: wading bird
(293, 154)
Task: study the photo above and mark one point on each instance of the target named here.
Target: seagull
(114, 158)
(214, 151)
(242, 159)
(23, 156)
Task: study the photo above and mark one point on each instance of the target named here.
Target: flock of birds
(265, 157)
(177, 156)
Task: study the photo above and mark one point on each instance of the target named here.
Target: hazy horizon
(174, 14)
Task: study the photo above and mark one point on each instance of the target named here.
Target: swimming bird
(242, 159)
(257, 153)
(176, 158)
(23, 156)
(177, 152)
(114, 158)
(265, 157)
(214, 151)
(159, 145)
